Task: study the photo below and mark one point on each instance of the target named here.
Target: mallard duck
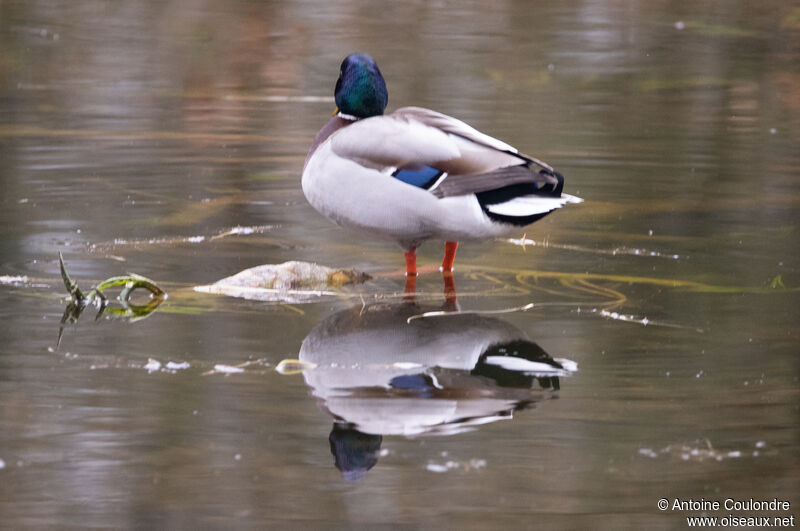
(417, 174)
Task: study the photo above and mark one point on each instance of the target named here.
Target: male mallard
(417, 174)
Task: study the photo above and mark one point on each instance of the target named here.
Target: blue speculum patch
(422, 178)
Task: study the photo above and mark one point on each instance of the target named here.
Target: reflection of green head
(355, 452)
(360, 90)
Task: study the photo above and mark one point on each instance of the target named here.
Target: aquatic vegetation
(129, 283)
(129, 310)
(777, 282)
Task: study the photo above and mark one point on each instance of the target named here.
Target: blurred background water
(131, 133)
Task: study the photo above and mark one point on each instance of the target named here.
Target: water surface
(132, 134)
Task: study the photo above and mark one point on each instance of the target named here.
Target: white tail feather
(529, 205)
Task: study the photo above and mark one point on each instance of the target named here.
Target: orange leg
(411, 288)
(411, 274)
(449, 256)
(450, 296)
(449, 286)
(411, 262)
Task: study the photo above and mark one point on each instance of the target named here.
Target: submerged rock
(289, 281)
(293, 275)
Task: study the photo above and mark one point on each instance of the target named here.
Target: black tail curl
(507, 193)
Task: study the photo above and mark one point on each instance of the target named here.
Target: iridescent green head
(360, 90)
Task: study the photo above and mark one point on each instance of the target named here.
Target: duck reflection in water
(377, 372)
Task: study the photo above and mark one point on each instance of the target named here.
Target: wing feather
(457, 127)
(450, 125)
(413, 138)
(381, 142)
(499, 178)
